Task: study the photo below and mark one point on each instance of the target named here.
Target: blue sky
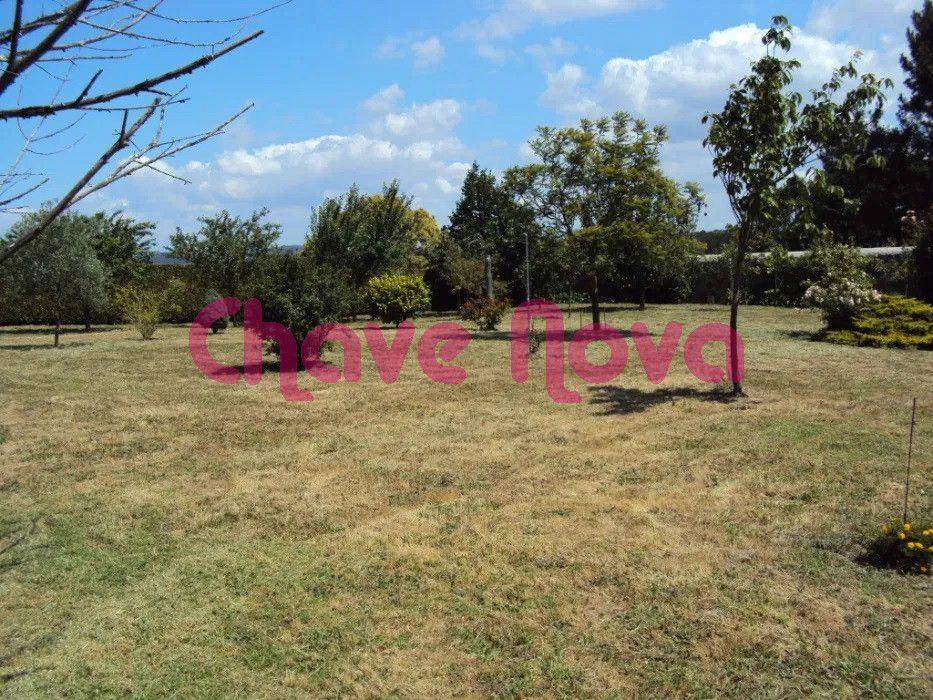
(365, 92)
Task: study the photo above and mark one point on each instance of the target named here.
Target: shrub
(140, 306)
(843, 288)
(299, 294)
(905, 547)
(394, 298)
(484, 312)
(180, 300)
(840, 300)
(222, 323)
(892, 322)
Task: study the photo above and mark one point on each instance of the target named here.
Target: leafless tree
(64, 54)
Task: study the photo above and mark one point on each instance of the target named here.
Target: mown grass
(162, 534)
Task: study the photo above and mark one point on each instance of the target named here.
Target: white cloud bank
(415, 144)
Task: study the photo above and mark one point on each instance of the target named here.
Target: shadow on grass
(617, 400)
(802, 335)
(49, 330)
(42, 346)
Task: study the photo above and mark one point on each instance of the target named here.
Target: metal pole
(527, 269)
(910, 450)
(489, 277)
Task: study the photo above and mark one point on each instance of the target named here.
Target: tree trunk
(58, 330)
(734, 317)
(594, 298)
(641, 299)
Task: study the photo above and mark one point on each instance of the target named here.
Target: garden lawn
(163, 534)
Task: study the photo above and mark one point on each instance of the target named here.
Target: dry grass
(168, 535)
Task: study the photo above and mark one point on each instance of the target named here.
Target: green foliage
(139, 306)
(600, 186)
(893, 322)
(921, 235)
(767, 142)
(58, 275)
(180, 300)
(842, 287)
(299, 294)
(906, 547)
(359, 236)
(394, 298)
(484, 312)
(222, 323)
(226, 250)
(123, 245)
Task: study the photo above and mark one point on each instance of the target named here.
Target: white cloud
(678, 85)
(385, 99)
(491, 52)
(861, 19)
(428, 52)
(424, 53)
(415, 144)
(429, 119)
(515, 15)
(554, 49)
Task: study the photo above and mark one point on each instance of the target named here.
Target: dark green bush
(893, 322)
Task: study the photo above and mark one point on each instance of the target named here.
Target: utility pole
(489, 277)
(527, 269)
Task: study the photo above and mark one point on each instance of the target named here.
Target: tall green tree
(225, 251)
(58, 276)
(488, 221)
(123, 246)
(361, 236)
(595, 185)
(767, 144)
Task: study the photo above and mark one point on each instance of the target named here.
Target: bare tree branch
(142, 86)
(90, 30)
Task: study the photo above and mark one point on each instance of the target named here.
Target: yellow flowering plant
(904, 546)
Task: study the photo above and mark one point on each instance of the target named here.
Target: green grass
(162, 534)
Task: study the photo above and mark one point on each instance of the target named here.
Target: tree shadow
(49, 330)
(42, 346)
(617, 400)
(801, 335)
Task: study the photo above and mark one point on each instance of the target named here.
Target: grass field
(162, 534)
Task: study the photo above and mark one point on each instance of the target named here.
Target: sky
(365, 92)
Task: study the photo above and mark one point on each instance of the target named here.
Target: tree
(123, 246)
(81, 35)
(225, 251)
(892, 167)
(488, 221)
(59, 275)
(362, 236)
(594, 184)
(917, 108)
(766, 147)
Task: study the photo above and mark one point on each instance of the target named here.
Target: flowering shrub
(484, 312)
(906, 547)
(841, 298)
(394, 298)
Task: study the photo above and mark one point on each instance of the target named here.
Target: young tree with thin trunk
(57, 278)
(768, 144)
